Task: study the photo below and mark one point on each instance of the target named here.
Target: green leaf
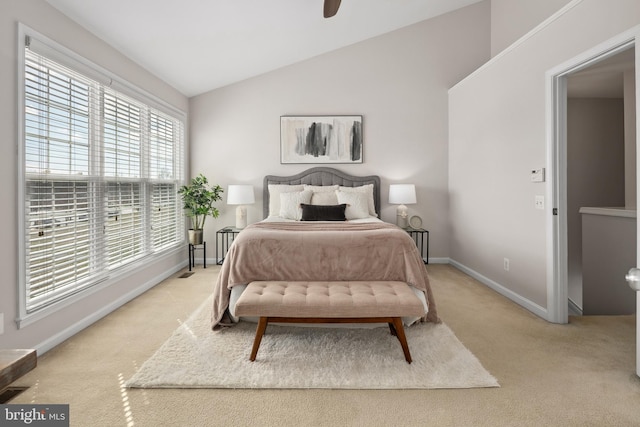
(198, 198)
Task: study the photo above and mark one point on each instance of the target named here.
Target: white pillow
(357, 204)
(324, 198)
(368, 191)
(274, 196)
(290, 204)
(321, 188)
(323, 194)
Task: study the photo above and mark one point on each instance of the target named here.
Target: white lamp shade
(240, 195)
(402, 194)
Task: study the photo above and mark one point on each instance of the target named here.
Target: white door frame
(556, 190)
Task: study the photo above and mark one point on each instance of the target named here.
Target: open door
(633, 277)
(557, 264)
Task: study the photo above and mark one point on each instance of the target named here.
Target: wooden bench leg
(393, 330)
(395, 326)
(262, 326)
(399, 329)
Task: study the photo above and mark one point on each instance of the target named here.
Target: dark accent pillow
(323, 212)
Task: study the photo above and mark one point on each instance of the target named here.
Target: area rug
(302, 357)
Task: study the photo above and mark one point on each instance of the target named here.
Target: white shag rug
(302, 357)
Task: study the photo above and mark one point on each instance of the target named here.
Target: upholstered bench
(330, 302)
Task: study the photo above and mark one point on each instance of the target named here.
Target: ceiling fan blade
(331, 7)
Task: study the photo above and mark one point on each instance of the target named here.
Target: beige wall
(497, 134)
(38, 15)
(398, 82)
(512, 19)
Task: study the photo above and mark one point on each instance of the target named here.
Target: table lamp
(240, 195)
(401, 195)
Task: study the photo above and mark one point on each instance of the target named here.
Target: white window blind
(100, 178)
(124, 228)
(165, 223)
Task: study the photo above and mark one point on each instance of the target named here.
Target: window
(100, 171)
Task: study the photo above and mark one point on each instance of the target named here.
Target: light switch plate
(539, 202)
(537, 175)
(1, 323)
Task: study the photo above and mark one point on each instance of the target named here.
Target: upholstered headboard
(321, 176)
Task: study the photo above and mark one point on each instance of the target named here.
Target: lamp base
(241, 216)
(402, 216)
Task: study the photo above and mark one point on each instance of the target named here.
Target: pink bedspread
(330, 251)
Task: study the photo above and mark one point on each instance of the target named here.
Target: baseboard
(574, 309)
(508, 293)
(439, 261)
(67, 333)
(210, 262)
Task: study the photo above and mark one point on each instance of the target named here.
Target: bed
(320, 224)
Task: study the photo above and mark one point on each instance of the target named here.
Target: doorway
(564, 250)
(601, 191)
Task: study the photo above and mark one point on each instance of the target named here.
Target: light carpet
(302, 357)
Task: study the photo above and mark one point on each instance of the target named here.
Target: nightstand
(224, 238)
(418, 237)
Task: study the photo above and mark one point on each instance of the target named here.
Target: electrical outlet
(506, 264)
(1, 323)
(539, 202)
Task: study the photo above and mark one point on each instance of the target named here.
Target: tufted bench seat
(330, 302)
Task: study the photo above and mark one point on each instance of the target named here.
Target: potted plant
(198, 198)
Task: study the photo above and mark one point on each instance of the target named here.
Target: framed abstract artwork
(320, 139)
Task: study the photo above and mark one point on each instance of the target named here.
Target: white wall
(398, 82)
(38, 15)
(512, 19)
(497, 134)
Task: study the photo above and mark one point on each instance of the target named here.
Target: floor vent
(185, 275)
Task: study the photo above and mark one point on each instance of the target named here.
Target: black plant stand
(192, 254)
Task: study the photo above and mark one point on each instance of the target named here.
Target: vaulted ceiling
(200, 45)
